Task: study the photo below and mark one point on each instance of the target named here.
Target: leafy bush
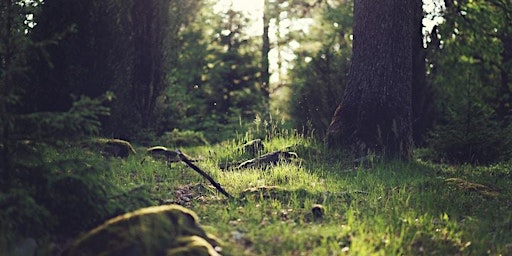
(77, 203)
(21, 216)
(81, 119)
(479, 140)
(72, 187)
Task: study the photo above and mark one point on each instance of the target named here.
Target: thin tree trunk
(150, 26)
(6, 84)
(375, 114)
(504, 93)
(265, 49)
(422, 94)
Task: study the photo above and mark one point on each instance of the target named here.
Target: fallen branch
(208, 177)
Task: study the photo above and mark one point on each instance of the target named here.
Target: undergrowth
(391, 208)
(373, 208)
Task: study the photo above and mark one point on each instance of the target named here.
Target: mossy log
(159, 230)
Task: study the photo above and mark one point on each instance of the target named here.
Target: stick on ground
(204, 174)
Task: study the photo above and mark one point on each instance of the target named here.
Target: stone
(158, 230)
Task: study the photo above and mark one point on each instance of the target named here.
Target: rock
(269, 158)
(192, 246)
(253, 147)
(158, 230)
(318, 211)
(160, 151)
(112, 147)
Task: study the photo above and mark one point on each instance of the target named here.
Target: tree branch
(208, 177)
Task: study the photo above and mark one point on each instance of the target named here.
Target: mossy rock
(271, 158)
(111, 147)
(191, 246)
(158, 230)
(161, 152)
(185, 138)
(253, 147)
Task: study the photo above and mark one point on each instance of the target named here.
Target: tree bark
(265, 49)
(375, 113)
(423, 113)
(150, 26)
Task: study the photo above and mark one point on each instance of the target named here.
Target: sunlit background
(281, 57)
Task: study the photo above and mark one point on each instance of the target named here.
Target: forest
(269, 127)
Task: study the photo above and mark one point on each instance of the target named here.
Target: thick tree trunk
(375, 114)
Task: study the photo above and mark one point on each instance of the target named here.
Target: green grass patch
(381, 208)
(391, 208)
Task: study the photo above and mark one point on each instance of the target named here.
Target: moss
(193, 246)
(147, 231)
(112, 147)
(160, 151)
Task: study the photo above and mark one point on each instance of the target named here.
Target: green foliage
(470, 130)
(14, 49)
(214, 84)
(108, 48)
(44, 189)
(205, 87)
(471, 75)
(320, 73)
(21, 216)
(78, 202)
(52, 192)
(479, 141)
(83, 118)
(319, 89)
(474, 125)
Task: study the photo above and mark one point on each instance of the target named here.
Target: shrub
(20, 216)
(479, 140)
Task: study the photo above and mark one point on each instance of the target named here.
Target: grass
(392, 208)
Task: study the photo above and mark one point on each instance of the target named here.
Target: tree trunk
(504, 96)
(375, 114)
(150, 21)
(422, 94)
(265, 49)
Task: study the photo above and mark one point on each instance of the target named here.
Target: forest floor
(322, 204)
